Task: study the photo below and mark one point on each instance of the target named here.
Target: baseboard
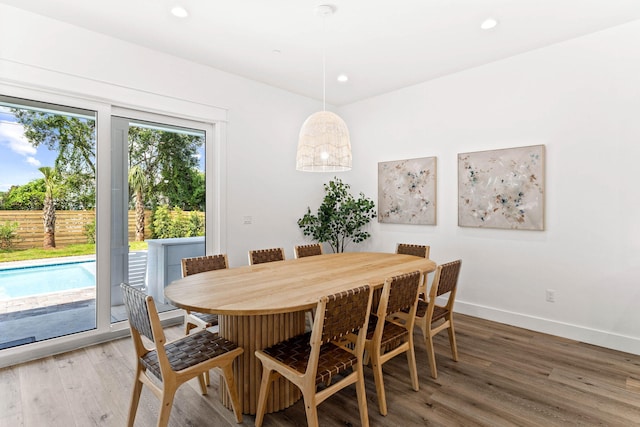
(575, 332)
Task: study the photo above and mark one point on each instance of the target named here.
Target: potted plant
(340, 218)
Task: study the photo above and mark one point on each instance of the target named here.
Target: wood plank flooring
(506, 376)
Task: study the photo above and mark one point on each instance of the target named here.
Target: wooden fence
(70, 227)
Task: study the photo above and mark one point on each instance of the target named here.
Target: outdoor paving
(13, 305)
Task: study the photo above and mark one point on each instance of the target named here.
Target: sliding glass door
(158, 203)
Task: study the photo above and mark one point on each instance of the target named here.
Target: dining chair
(175, 362)
(260, 256)
(409, 249)
(417, 250)
(195, 265)
(389, 336)
(433, 318)
(322, 356)
(313, 249)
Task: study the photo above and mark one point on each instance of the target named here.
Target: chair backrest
(204, 263)
(308, 250)
(344, 313)
(409, 249)
(135, 302)
(260, 256)
(446, 279)
(402, 292)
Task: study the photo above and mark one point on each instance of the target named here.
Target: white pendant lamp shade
(324, 144)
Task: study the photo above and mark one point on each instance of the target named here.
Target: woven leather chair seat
(392, 335)
(295, 352)
(209, 319)
(189, 351)
(438, 312)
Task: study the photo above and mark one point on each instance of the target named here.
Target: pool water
(36, 280)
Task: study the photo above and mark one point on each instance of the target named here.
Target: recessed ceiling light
(489, 23)
(343, 78)
(179, 12)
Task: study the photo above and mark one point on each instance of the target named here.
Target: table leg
(255, 333)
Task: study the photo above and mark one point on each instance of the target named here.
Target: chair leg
(377, 375)
(165, 405)
(232, 388)
(452, 340)
(413, 369)
(362, 397)
(432, 356)
(135, 397)
(310, 406)
(203, 383)
(267, 377)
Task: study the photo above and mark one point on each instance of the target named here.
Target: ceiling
(380, 45)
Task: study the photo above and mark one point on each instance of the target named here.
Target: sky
(19, 160)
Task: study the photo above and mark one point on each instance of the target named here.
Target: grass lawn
(70, 250)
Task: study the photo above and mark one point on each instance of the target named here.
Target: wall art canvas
(407, 191)
(502, 188)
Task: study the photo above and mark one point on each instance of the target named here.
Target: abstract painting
(502, 188)
(407, 191)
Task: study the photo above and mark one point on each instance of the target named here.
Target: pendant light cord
(324, 62)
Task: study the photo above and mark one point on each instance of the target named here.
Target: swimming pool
(42, 279)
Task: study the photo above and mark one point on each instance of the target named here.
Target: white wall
(581, 99)
(263, 122)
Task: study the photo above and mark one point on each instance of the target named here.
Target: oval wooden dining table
(260, 305)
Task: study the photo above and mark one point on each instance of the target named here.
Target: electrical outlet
(247, 220)
(551, 295)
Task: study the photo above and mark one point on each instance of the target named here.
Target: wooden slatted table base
(255, 333)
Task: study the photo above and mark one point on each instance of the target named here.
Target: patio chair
(320, 356)
(173, 363)
(260, 256)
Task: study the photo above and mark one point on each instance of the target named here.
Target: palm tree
(49, 209)
(137, 181)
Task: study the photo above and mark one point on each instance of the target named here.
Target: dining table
(262, 304)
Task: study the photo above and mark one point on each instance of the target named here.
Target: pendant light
(323, 144)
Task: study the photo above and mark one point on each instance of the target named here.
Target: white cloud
(33, 161)
(12, 134)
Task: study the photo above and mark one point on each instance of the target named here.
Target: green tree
(29, 196)
(170, 163)
(49, 210)
(340, 217)
(74, 140)
(137, 183)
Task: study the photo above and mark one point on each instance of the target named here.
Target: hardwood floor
(506, 376)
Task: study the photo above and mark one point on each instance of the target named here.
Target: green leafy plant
(340, 218)
(8, 234)
(90, 231)
(176, 223)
